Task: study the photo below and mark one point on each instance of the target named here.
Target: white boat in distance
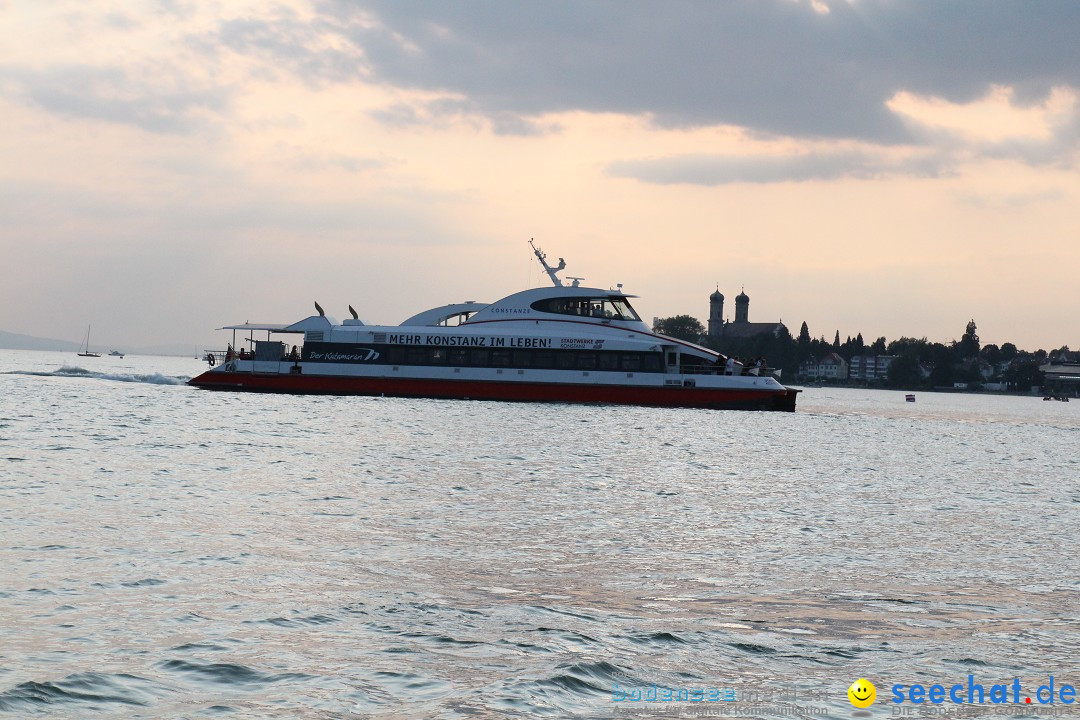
(552, 344)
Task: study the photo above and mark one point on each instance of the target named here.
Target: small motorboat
(909, 397)
(116, 353)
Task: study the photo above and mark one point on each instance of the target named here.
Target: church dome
(717, 295)
(742, 297)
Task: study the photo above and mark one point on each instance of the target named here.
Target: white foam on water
(70, 371)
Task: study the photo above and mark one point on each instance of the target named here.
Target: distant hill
(15, 341)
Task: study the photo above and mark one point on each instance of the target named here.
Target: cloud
(446, 112)
(710, 170)
(157, 99)
(773, 66)
(999, 125)
(808, 69)
(308, 162)
(945, 135)
(308, 49)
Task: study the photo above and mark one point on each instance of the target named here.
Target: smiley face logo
(862, 693)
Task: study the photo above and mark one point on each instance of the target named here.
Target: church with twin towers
(741, 327)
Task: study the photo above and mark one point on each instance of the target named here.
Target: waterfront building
(831, 367)
(870, 368)
(1061, 375)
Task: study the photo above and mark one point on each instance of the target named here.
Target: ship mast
(552, 272)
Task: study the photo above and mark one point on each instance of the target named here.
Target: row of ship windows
(523, 358)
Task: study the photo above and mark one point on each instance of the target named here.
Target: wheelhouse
(611, 307)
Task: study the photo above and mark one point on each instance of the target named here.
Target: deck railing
(216, 357)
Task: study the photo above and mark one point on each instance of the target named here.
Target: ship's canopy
(592, 306)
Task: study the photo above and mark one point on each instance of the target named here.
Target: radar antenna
(552, 272)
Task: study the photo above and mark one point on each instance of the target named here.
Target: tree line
(918, 364)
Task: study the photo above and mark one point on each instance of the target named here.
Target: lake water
(167, 552)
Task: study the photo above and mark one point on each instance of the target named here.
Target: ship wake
(78, 372)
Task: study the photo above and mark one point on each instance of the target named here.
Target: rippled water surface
(170, 552)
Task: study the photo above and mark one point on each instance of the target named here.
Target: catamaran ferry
(551, 344)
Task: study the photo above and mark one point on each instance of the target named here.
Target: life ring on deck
(210, 359)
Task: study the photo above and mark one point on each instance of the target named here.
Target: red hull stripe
(493, 390)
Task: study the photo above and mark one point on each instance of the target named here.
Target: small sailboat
(86, 346)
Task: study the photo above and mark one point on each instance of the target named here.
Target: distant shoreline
(16, 341)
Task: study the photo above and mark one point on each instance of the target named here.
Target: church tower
(716, 314)
(742, 307)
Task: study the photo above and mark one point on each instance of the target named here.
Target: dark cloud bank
(774, 67)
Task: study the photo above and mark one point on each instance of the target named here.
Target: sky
(877, 166)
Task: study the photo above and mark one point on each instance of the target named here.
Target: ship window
(631, 362)
(459, 356)
(394, 355)
(523, 358)
(565, 360)
(500, 358)
(607, 307)
(416, 356)
(436, 356)
(586, 361)
(609, 361)
(621, 308)
(478, 357)
(651, 363)
(544, 360)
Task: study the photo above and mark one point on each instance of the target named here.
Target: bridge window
(611, 307)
